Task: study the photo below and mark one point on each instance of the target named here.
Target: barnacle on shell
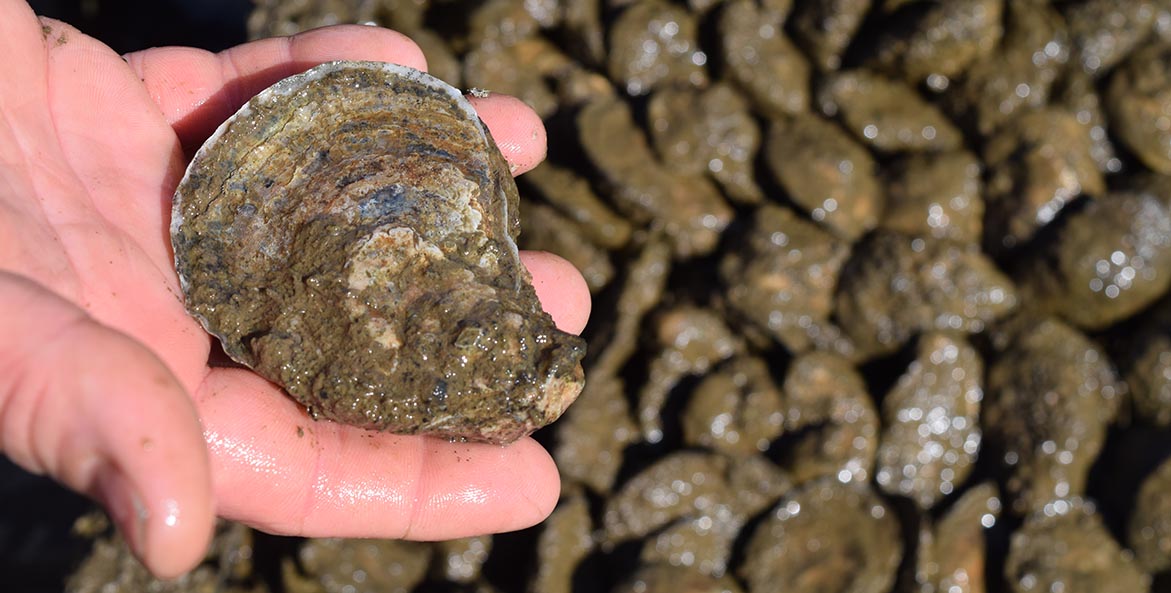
(350, 235)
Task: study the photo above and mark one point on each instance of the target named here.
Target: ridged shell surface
(350, 235)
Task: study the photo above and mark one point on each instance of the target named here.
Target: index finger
(197, 89)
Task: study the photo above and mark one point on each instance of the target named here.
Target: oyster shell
(349, 234)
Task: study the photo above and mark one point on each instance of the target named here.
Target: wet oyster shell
(894, 286)
(664, 578)
(349, 234)
(1037, 164)
(1105, 263)
(824, 29)
(931, 419)
(781, 274)
(653, 43)
(938, 195)
(760, 58)
(1051, 395)
(567, 537)
(825, 537)
(1149, 529)
(1018, 75)
(1139, 101)
(885, 113)
(737, 410)
(953, 558)
(1066, 547)
(826, 173)
(936, 41)
(833, 418)
(343, 565)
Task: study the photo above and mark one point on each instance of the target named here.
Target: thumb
(99, 412)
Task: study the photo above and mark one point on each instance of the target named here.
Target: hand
(104, 378)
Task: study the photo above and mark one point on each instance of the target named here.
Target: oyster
(1066, 547)
(564, 541)
(936, 41)
(780, 275)
(1052, 394)
(825, 172)
(826, 536)
(885, 113)
(952, 554)
(937, 195)
(736, 410)
(1149, 530)
(832, 418)
(1139, 101)
(664, 578)
(1037, 164)
(349, 234)
(824, 29)
(1018, 75)
(341, 565)
(931, 421)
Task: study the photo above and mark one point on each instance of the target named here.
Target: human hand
(104, 379)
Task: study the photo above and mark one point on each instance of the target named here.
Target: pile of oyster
(881, 298)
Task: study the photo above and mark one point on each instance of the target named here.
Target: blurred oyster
(1103, 32)
(931, 418)
(736, 410)
(825, 172)
(1018, 74)
(343, 565)
(894, 286)
(781, 274)
(952, 554)
(1149, 530)
(1037, 164)
(1052, 394)
(827, 536)
(1105, 263)
(690, 208)
(762, 60)
(935, 41)
(936, 195)
(1066, 547)
(564, 541)
(692, 505)
(654, 43)
(460, 560)
(832, 418)
(1139, 101)
(664, 578)
(824, 29)
(349, 234)
(887, 114)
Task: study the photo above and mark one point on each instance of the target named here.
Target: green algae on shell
(350, 235)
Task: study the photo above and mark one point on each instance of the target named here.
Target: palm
(103, 181)
(91, 149)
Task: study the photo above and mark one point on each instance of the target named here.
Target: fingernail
(125, 507)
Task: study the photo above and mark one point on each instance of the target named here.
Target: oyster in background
(349, 234)
(1066, 547)
(885, 113)
(1150, 525)
(1106, 262)
(1139, 100)
(952, 554)
(827, 536)
(1051, 396)
(932, 421)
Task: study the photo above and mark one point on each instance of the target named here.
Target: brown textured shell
(350, 235)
